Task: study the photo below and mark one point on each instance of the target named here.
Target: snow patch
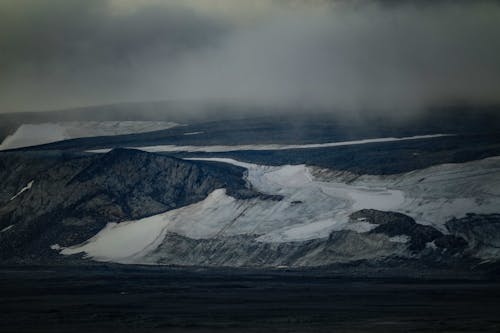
(360, 227)
(7, 228)
(224, 148)
(36, 134)
(434, 195)
(127, 242)
(400, 239)
(431, 245)
(24, 189)
(303, 232)
(194, 133)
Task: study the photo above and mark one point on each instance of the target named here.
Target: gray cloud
(67, 52)
(397, 57)
(336, 54)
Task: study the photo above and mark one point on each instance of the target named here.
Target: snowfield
(36, 134)
(223, 148)
(312, 206)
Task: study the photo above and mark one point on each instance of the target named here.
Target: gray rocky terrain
(71, 199)
(396, 236)
(54, 200)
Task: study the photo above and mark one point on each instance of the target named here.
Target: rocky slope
(323, 219)
(395, 236)
(482, 233)
(68, 200)
(133, 207)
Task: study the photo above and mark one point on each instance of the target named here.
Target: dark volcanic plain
(105, 298)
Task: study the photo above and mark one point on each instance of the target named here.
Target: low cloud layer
(358, 55)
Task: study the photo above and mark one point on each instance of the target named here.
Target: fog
(388, 56)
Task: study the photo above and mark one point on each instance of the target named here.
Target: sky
(343, 55)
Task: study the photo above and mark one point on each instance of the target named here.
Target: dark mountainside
(74, 195)
(475, 133)
(428, 251)
(230, 123)
(374, 158)
(72, 198)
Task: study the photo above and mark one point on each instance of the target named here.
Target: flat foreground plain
(149, 299)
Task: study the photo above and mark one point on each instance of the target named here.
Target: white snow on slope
(223, 148)
(193, 133)
(436, 194)
(311, 208)
(400, 239)
(7, 228)
(36, 134)
(24, 189)
(121, 242)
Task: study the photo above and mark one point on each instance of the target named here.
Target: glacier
(315, 203)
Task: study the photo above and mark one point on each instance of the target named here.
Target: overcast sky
(348, 55)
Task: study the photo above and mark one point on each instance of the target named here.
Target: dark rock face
(427, 247)
(246, 251)
(452, 243)
(72, 200)
(380, 217)
(340, 248)
(17, 170)
(396, 224)
(482, 232)
(74, 195)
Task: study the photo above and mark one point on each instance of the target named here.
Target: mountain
(246, 192)
(135, 207)
(71, 198)
(323, 218)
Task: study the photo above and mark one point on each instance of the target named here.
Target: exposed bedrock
(419, 236)
(71, 201)
(394, 236)
(482, 232)
(245, 250)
